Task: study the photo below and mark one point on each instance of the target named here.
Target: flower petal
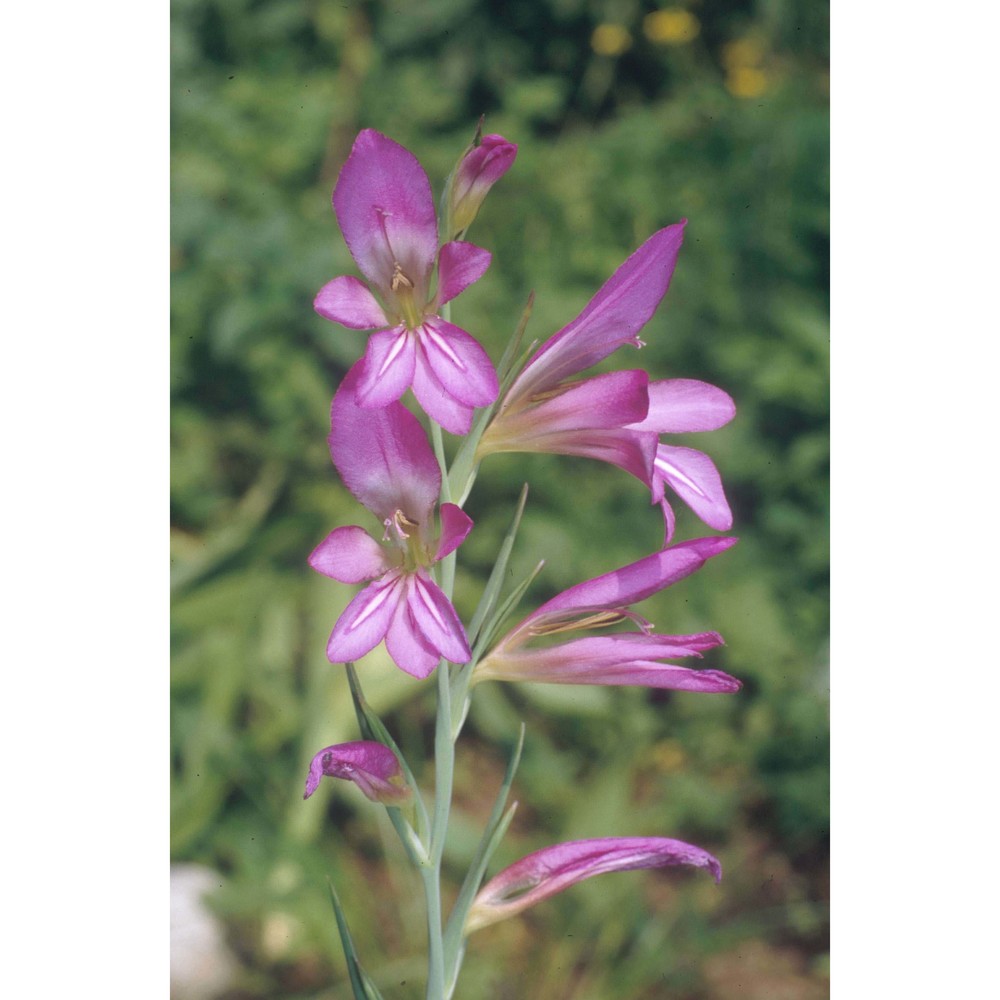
(349, 555)
(552, 869)
(459, 265)
(613, 317)
(455, 525)
(632, 451)
(387, 370)
(458, 361)
(383, 455)
(694, 477)
(348, 301)
(616, 399)
(364, 622)
(435, 617)
(623, 659)
(679, 405)
(635, 582)
(409, 650)
(385, 209)
(438, 403)
(373, 767)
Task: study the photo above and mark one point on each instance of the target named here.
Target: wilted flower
(385, 460)
(373, 767)
(385, 208)
(623, 658)
(481, 166)
(552, 869)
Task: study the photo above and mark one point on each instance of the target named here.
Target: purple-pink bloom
(481, 166)
(546, 412)
(618, 417)
(386, 212)
(373, 767)
(385, 460)
(624, 658)
(552, 869)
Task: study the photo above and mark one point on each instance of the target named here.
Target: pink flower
(552, 869)
(630, 658)
(618, 417)
(482, 165)
(373, 767)
(385, 460)
(385, 208)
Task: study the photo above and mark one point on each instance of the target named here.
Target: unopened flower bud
(481, 166)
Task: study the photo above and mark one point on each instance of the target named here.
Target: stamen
(597, 620)
(399, 278)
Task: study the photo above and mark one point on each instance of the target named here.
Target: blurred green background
(628, 116)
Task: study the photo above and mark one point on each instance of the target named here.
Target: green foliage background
(717, 113)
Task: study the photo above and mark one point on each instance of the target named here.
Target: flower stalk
(406, 563)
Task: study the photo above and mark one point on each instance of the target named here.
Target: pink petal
(617, 399)
(679, 405)
(635, 582)
(669, 518)
(459, 265)
(455, 525)
(629, 450)
(373, 767)
(348, 302)
(363, 624)
(407, 646)
(387, 370)
(694, 477)
(383, 455)
(385, 208)
(613, 317)
(435, 617)
(552, 869)
(438, 403)
(623, 659)
(349, 555)
(458, 362)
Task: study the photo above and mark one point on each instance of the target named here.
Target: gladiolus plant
(392, 459)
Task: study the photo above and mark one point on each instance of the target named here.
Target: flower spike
(552, 869)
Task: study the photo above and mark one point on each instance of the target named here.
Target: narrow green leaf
(361, 985)
(496, 620)
(494, 585)
(463, 469)
(506, 370)
(493, 833)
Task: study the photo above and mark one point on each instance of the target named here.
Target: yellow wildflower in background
(610, 40)
(745, 72)
(671, 26)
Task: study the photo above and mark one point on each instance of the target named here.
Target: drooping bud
(372, 766)
(480, 167)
